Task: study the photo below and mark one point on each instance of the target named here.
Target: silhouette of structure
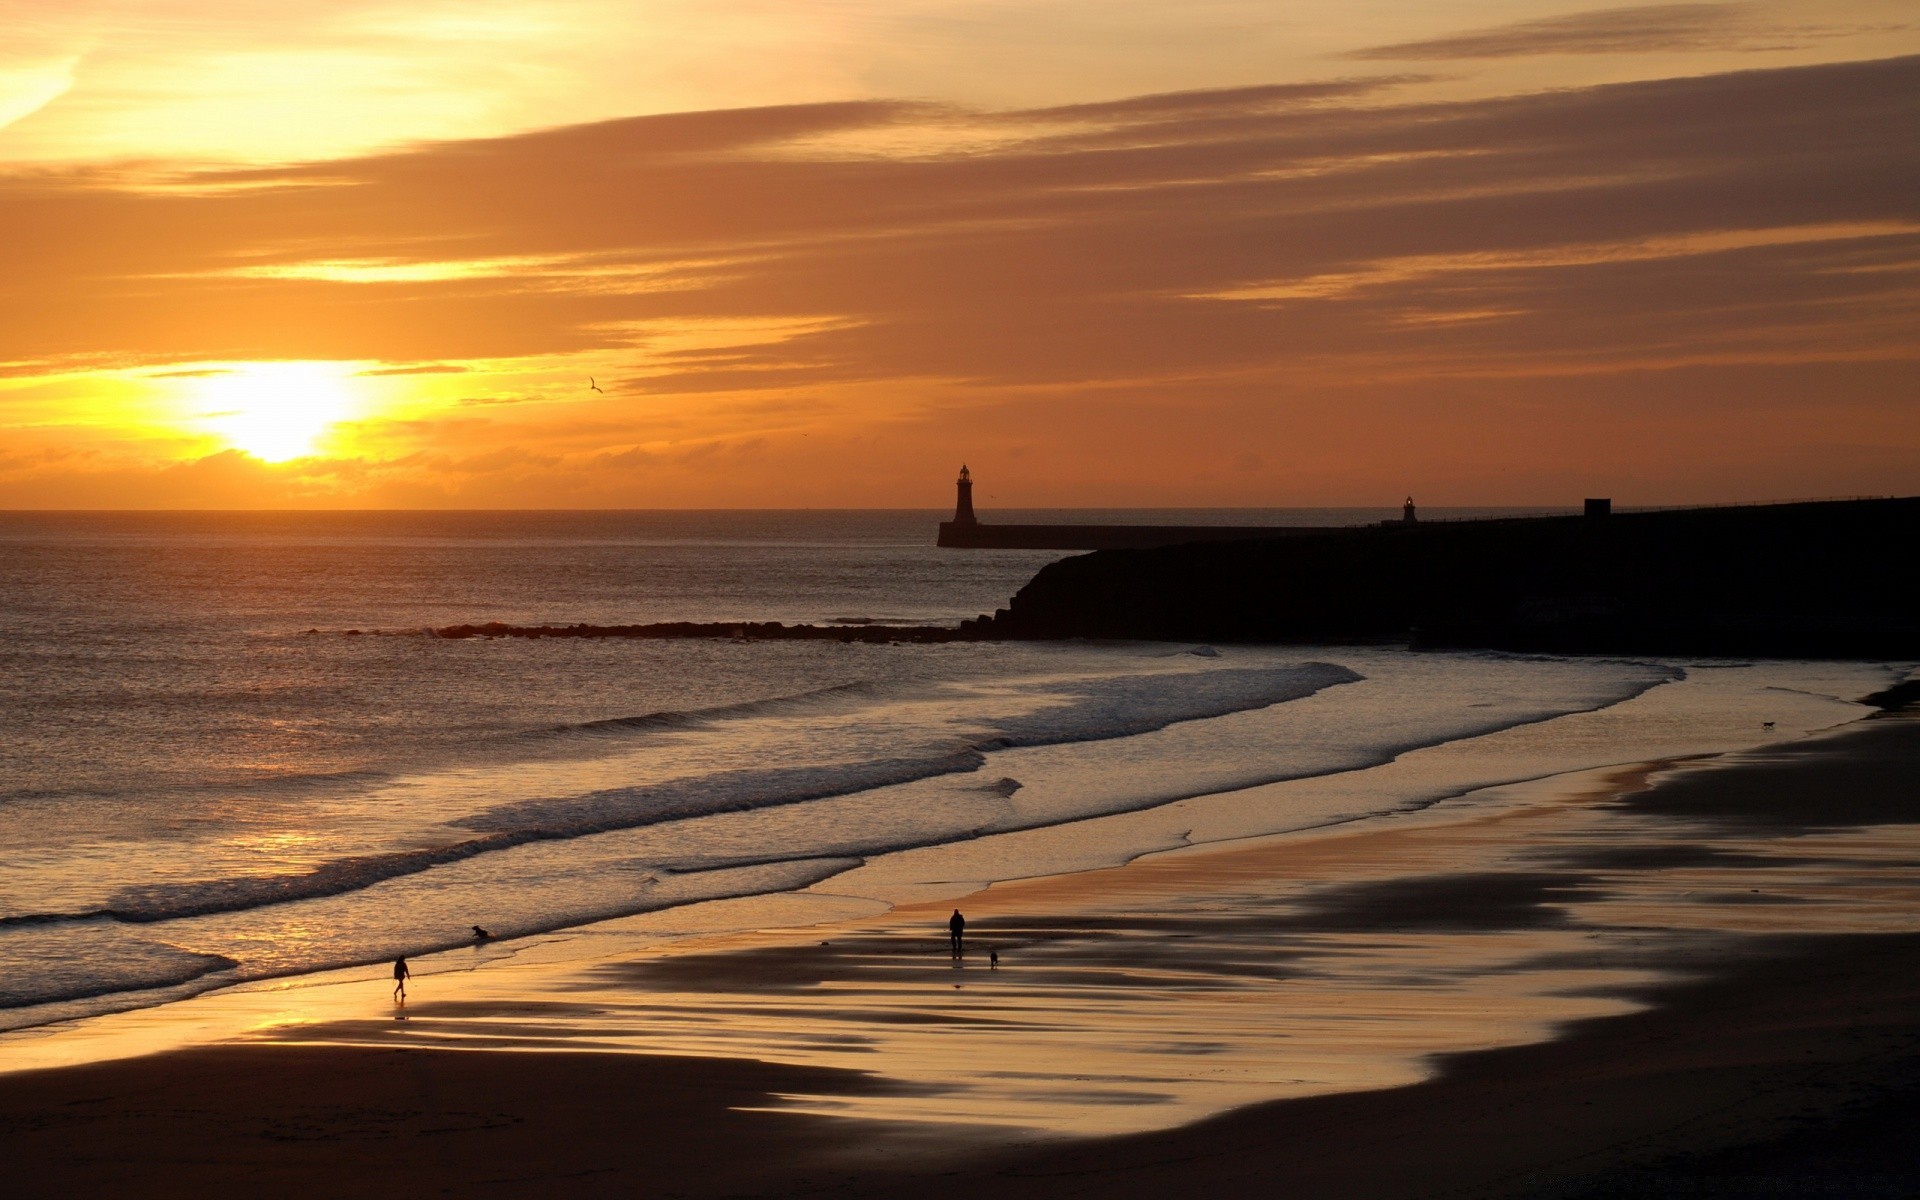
(1806, 579)
(967, 532)
(1407, 516)
(963, 506)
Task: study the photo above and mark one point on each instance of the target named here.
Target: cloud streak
(1260, 265)
(1640, 29)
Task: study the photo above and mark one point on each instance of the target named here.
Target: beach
(1692, 975)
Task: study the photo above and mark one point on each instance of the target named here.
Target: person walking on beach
(956, 930)
(400, 977)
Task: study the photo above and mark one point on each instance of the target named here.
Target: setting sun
(276, 411)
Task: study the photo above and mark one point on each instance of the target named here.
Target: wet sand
(1729, 951)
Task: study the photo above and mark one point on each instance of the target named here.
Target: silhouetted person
(957, 930)
(400, 977)
(993, 960)
(481, 935)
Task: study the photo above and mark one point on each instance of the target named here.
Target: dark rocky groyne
(1826, 579)
(738, 630)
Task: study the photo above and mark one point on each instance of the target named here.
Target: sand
(1694, 978)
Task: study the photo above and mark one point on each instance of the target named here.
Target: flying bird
(594, 386)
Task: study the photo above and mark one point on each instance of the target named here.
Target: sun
(276, 411)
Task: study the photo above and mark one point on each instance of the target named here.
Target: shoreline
(1707, 716)
(1361, 923)
(1054, 809)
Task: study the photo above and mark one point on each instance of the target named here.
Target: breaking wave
(1082, 710)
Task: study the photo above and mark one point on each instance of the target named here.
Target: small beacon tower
(963, 504)
(1407, 516)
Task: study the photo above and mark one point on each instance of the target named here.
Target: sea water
(234, 750)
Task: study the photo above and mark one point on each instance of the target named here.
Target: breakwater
(968, 532)
(736, 630)
(977, 535)
(1829, 579)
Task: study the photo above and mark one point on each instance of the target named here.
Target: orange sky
(1216, 252)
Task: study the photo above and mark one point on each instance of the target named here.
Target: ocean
(233, 750)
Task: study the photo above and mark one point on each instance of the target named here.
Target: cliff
(1829, 579)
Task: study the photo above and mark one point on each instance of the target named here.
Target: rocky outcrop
(740, 630)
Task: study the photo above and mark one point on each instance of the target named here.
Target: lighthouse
(963, 505)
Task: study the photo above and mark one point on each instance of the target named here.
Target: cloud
(1641, 29)
(25, 89)
(1170, 105)
(1357, 279)
(423, 369)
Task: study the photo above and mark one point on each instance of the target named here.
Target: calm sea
(232, 751)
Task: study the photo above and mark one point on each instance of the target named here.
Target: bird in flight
(594, 386)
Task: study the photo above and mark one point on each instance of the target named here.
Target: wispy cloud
(1122, 284)
(1640, 29)
(421, 369)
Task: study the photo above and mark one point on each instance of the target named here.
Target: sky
(739, 253)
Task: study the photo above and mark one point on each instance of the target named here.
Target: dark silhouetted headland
(1824, 579)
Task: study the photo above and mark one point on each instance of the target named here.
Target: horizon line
(1395, 507)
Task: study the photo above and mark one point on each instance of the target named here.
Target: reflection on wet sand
(1183, 985)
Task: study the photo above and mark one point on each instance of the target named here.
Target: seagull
(593, 385)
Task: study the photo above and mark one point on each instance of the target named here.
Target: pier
(968, 532)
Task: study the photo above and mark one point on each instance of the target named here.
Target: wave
(1128, 705)
(697, 718)
(608, 728)
(1086, 711)
(136, 974)
(705, 795)
(235, 781)
(1090, 710)
(169, 901)
(861, 849)
(517, 825)
(48, 966)
(1069, 711)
